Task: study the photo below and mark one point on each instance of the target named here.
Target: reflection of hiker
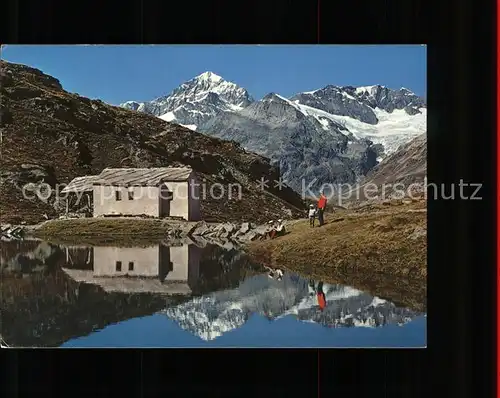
(321, 208)
(312, 215)
(313, 288)
(275, 273)
(321, 296)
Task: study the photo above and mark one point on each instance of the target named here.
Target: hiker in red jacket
(321, 208)
(321, 296)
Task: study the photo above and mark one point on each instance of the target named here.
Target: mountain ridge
(212, 315)
(331, 135)
(375, 95)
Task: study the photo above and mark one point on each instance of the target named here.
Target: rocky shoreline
(16, 232)
(169, 228)
(244, 232)
(237, 233)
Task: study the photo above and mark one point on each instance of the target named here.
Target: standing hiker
(312, 215)
(311, 288)
(321, 208)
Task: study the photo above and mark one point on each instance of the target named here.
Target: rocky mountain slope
(403, 172)
(212, 315)
(49, 135)
(310, 150)
(331, 135)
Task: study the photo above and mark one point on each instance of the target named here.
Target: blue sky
(160, 331)
(116, 74)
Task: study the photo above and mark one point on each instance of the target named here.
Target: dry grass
(114, 241)
(368, 249)
(102, 228)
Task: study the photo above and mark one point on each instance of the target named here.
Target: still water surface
(184, 295)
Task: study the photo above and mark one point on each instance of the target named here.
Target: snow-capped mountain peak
(132, 105)
(405, 90)
(365, 89)
(209, 76)
(195, 101)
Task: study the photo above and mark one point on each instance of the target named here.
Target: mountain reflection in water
(182, 295)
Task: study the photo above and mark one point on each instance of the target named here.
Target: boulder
(228, 245)
(208, 229)
(199, 241)
(229, 228)
(245, 227)
(17, 230)
(262, 229)
(252, 235)
(258, 236)
(218, 228)
(12, 232)
(210, 234)
(199, 228)
(174, 233)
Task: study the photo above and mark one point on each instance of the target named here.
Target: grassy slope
(124, 231)
(367, 248)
